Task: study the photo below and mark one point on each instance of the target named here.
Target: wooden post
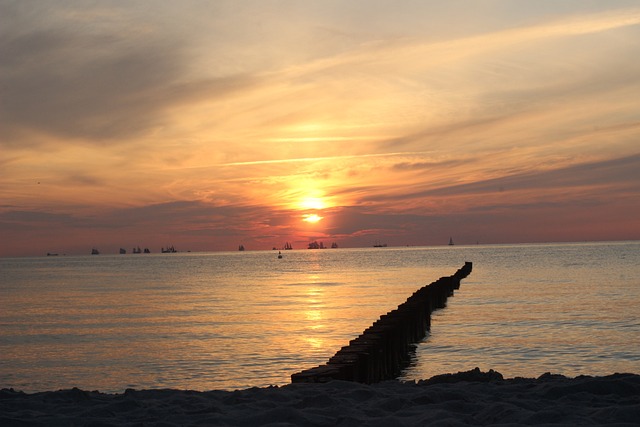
(382, 350)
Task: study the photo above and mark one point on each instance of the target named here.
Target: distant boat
(94, 251)
(450, 241)
(137, 250)
(123, 251)
(287, 246)
(316, 245)
(334, 245)
(379, 245)
(168, 250)
(147, 251)
(241, 248)
(51, 254)
(279, 254)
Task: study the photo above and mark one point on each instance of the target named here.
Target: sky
(209, 124)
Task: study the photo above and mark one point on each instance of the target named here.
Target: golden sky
(206, 125)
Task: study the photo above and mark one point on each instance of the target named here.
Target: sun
(312, 204)
(312, 218)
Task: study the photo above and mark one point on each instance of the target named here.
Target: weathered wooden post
(381, 351)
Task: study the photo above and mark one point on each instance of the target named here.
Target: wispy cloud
(315, 159)
(621, 172)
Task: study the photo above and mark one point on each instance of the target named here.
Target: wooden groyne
(380, 352)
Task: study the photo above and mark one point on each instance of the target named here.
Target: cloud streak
(316, 159)
(623, 172)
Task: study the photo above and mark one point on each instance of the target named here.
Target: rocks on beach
(466, 398)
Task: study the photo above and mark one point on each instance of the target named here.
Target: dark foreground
(467, 398)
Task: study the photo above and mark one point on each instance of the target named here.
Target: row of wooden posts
(383, 349)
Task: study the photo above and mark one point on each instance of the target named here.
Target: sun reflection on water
(234, 320)
(315, 304)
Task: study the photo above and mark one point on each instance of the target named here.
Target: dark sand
(468, 398)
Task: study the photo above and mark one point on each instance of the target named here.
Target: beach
(467, 398)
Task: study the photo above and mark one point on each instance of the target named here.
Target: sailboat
(450, 241)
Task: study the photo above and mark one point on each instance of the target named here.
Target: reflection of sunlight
(314, 297)
(315, 342)
(314, 313)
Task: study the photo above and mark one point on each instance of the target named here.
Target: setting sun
(312, 218)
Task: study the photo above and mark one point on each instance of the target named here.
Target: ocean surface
(231, 320)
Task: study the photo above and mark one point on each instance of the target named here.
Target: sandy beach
(466, 398)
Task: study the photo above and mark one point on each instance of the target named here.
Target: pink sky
(207, 125)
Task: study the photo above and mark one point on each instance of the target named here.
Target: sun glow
(312, 218)
(312, 203)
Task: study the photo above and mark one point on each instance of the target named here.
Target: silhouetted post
(381, 351)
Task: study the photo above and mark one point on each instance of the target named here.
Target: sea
(235, 320)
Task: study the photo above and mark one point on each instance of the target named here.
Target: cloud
(318, 158)
(181, 216)
(13, 219)
(54, 89)
(603, 183)
(95, 85)
(362, 221)
(193, 225)
(623, 172)
(427, 165)
(153, 216)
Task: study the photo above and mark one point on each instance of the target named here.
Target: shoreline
(465, 398)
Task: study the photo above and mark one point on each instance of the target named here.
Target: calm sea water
(233, 320)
